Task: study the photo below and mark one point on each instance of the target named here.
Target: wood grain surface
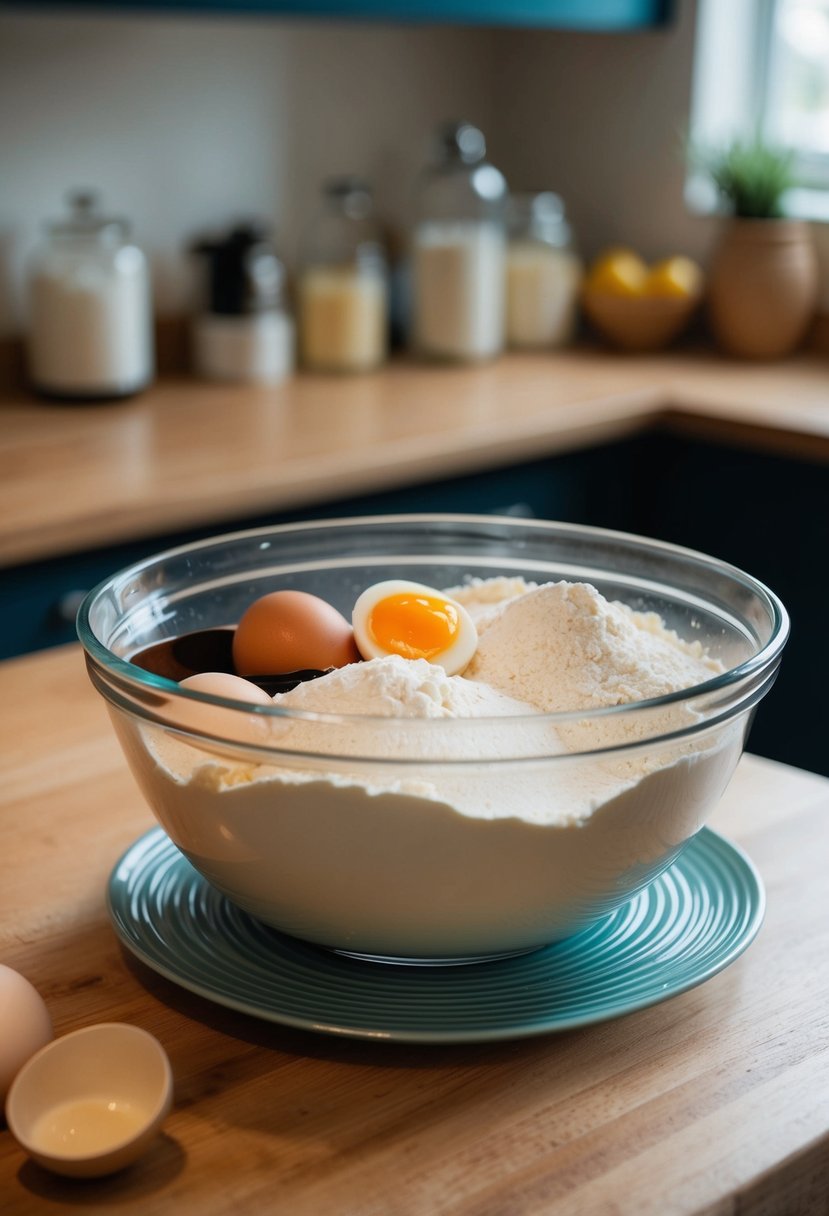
(714, 1102)
(186, 454)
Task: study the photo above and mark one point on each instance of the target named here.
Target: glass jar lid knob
(461, 141)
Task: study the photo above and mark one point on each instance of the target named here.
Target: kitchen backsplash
(188, 123)
(185, 124)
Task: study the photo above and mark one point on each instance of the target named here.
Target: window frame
(740, 108)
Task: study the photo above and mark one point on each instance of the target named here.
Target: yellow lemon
(677, 276)
(619, 272)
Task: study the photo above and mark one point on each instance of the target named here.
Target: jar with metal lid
(343, 283)
(90, 324)
(543, 273)
(458, 250)
(244, 330)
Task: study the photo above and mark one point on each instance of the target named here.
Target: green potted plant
(762, 282)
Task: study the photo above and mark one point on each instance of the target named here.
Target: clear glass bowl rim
(131, 674)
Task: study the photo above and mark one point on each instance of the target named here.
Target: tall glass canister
(458, 244)
(343, 288)
(544, 273)
(90, 308)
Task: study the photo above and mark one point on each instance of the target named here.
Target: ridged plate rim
(712, 894)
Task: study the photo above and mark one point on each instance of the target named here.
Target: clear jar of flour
(543, 273)
(90, 324)
(343, 287)
(458, 244)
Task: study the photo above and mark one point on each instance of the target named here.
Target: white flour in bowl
(564, 647)
(402, 854)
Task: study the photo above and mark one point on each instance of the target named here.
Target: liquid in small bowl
(91, 1102)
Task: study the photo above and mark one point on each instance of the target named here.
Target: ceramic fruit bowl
(639, 323)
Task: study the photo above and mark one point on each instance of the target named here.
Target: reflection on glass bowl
(433, 838)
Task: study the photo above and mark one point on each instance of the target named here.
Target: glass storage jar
(90, 326)
(458, 251)
(543, 273)
(343, 288)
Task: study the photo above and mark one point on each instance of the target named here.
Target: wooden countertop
(187, 454)
(713, 1102)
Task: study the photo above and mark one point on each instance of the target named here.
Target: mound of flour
(485, 598)
(564, 647)
(408, 690)
(394, 687)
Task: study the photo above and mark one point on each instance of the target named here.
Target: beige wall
(602, 119)
(187, 122)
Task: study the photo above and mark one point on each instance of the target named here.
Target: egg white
(453, 659)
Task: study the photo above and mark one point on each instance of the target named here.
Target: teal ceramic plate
(685, 927)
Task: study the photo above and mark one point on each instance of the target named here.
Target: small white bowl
(90, 1102)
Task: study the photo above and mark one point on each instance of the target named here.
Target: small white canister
(243, 331)
(90, 324)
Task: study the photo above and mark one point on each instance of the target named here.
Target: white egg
(416, 622)
(207, 719)
(25, 1026)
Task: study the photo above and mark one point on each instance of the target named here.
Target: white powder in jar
(458, 278)
(542, 294)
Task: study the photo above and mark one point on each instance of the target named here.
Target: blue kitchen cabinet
(595, 15)
(767, 514)
(39, 600)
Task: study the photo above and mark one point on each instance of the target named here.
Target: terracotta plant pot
(762, 287)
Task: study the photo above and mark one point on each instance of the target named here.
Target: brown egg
(290, 631)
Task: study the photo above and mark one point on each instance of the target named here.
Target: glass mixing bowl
(434, 839)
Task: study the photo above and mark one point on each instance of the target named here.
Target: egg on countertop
(416, 622)
(292, 631)
(25, 1025)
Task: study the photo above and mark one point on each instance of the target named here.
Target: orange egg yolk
(414, 626)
